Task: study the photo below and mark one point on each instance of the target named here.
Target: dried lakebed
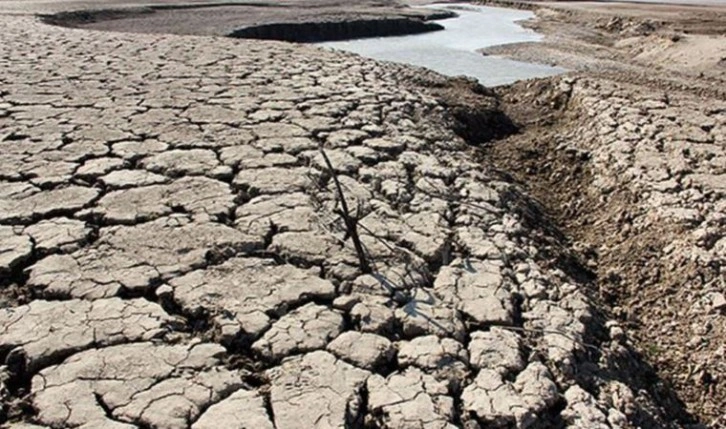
(172, 255)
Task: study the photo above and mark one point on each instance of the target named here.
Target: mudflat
(202, 232)
(205, 17)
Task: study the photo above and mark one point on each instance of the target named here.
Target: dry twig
(351, 222)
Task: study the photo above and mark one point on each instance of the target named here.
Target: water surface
(452, 51)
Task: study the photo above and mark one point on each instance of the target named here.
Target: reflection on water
(452, 51)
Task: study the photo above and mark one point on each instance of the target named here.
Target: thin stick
(351, 223)
(548, 331)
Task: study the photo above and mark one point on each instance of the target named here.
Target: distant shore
(295, 20)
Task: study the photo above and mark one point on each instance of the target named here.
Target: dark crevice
(104, 406)
(388, 367)
(458, 418)
(271, 232)
(18, 379)
(243, 193)
(517, 312)
(477, 127)
(312, 32)
(264, 254)
(17, 409)
(304, 300)
(12, 283)
(473, 325)
(267, 400)
(355, 415)
(197, 323)
(551, 418)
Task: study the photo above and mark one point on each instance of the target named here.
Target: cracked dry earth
(637, 177)
(172, 258)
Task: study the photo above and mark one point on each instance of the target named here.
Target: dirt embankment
(309, 32)
(628, 155)
(646, 210)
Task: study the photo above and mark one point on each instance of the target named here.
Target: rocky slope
(174, 254)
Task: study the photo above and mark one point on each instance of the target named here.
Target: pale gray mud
(629, 157)
(290, 20)
(174, 256)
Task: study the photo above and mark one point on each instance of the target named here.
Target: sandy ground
(631, 41)
(30, 7)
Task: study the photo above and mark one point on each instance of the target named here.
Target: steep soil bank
(629, 155)
(310, 32)
(636, 179)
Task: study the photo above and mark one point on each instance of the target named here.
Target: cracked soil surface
(628, 155)
(173, 255)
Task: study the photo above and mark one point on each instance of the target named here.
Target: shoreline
(318, 21)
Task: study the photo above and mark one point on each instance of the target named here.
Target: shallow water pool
(452, 51)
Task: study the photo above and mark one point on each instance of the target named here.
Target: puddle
(452, 51)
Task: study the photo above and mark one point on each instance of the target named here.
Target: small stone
(718, 301)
